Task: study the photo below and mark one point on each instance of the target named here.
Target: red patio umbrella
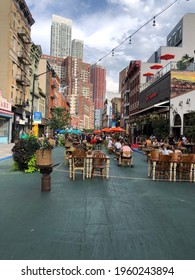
(106, 129)
(156, 66)
(148, 74)
(97, 131)
(118, 129)
(167, 56)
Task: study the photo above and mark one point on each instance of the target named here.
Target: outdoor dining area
(96, 163)
(86, 158)
(173, 167)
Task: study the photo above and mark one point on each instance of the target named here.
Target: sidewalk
(125, 217)
(5, 151)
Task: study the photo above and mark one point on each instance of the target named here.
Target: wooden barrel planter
(44, 157)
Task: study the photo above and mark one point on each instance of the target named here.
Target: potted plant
(43, 153)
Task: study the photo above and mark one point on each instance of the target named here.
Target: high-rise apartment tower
(77, 48)
(61, 37)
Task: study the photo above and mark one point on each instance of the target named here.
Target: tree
(184, 62)
(160, 127)
(189, 131)
(60, 118)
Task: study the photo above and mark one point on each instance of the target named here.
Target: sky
(104, 24)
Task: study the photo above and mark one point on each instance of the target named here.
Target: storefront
(21, 122)
(6, 117)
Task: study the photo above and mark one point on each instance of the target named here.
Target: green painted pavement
(126, 217)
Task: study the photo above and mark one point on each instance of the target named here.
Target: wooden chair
(185, 168)
(78, 162)
(163, 167)
(98, 163)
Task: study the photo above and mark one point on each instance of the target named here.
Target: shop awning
(158, 105)
(6, 114)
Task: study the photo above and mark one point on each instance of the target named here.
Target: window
(4, 127)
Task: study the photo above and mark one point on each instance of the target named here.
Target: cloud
(106, 24)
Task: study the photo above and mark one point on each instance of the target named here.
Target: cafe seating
(78, 162)
(98, 163)
(163, 166)
(185, 168)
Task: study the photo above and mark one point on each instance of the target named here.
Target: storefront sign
(150, 96)
(37, 117)
(4, 104)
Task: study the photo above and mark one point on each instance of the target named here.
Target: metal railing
(170, 66)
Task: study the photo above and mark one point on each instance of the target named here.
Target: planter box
(44, 158)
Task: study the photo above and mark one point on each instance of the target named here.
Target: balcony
(22, 80)
(22, 34)
(24, 57)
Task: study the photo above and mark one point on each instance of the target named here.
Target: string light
(154, 22)
(153, 19)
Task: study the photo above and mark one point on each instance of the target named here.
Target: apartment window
(169, 42)
(12, 70)
(174, 38)
(179, 33)
(14, 21)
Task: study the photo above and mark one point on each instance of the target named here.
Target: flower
(45, 143)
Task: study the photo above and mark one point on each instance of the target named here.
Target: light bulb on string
(130, 40)
(154, 22)
(113, 52)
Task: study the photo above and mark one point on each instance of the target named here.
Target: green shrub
(24, 150)
(15, 166)
(31, 165)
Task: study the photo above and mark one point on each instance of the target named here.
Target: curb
(1, 159)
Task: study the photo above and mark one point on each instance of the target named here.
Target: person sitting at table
(180, 142)
(171, 140)
(117, 146)
(165, 150)
(110, 145)
(185, 140)
(125, 148)
(148, 142)
(155, 143)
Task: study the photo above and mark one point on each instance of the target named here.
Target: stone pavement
(127, 216)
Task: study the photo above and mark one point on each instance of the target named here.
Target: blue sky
(104, 24)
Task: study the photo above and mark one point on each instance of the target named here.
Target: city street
(128, 216)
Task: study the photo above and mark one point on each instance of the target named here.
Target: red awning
(167, 56)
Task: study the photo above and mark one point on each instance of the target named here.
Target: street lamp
(35, 76)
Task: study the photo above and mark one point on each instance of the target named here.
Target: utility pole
(35, 76)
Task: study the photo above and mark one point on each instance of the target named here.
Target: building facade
(61, 37)
(98, 79)
(77, 48)
(15, 43)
